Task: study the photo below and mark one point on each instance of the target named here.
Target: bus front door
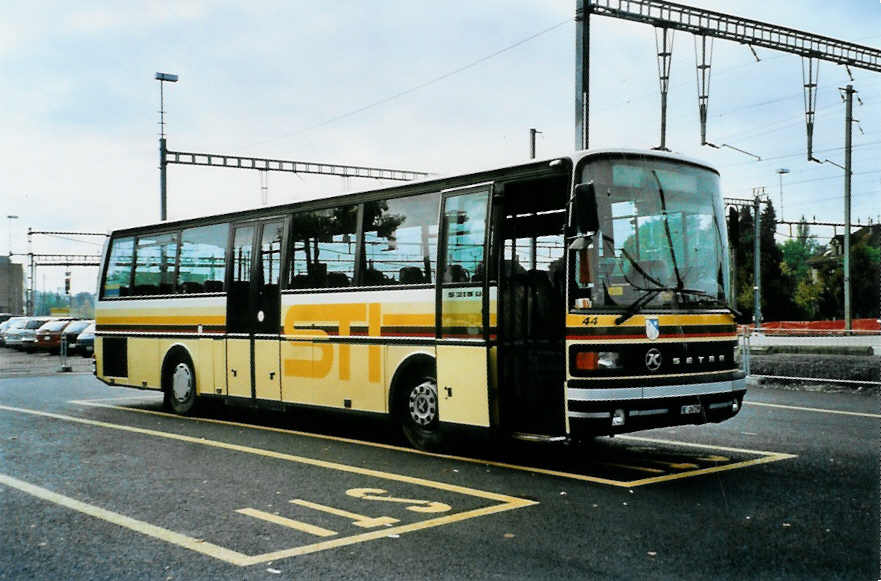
(253, 311)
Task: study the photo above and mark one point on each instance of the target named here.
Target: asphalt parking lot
(100, 483)
(14, 363)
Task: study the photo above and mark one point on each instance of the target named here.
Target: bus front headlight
(597, 360)
(608, 360)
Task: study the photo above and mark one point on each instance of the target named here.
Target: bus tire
(418, 409)
(179, 383)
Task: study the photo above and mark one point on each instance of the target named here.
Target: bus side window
(118, 276)
(322, 252)
(155, 264)
(400, 240)
(202, 266)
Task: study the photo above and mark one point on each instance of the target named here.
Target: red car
(49, 335)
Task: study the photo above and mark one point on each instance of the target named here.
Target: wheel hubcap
(423, 403)
(181, 382)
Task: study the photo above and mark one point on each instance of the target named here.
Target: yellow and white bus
(560, 298)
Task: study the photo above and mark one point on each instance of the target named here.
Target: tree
(796, 253)
(865, 271)
(777, 290)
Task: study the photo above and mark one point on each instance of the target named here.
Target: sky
(444, 87)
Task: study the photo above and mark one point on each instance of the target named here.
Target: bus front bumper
(627, 409)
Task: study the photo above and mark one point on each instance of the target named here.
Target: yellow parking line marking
(765, 458)
(378, 534)
(734, 466)
(278, 455)
(808, 409)
(775, 456)
(142, 527)
(287, 522)
(359, 520)
(505, 502)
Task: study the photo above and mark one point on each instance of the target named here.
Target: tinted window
(154, 267)
(323, 248)
(119, 268)
(400, 240)
(202, 259)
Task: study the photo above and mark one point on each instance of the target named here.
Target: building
(833, 253)
(11, 286)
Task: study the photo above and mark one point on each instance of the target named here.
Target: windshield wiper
(650, 293)
(679, 282)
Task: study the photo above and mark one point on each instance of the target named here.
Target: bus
(558, 299)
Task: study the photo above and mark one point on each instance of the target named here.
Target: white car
(10, 331)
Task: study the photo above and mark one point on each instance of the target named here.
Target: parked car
(49, 335)
(12, 335)
(26, 336)
(85, 341)
(72, 331)
(3, 327)
(9, 325)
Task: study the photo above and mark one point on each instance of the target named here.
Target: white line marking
(818, 410)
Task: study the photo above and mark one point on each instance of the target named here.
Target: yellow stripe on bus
(160, 320)
(573, 320)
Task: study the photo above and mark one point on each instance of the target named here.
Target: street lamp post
(780, 173)
(162, 78)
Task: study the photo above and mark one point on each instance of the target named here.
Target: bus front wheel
(180, 387)
(419, 414)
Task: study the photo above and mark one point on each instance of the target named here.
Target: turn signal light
(592, 360)
(586, 360)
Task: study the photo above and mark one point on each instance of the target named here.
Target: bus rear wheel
(180, 387)
(419, 414)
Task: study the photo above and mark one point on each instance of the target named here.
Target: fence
(811, 355)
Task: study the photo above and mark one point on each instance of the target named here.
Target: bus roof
(444, 181)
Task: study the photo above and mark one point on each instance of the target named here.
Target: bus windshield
(661, 241)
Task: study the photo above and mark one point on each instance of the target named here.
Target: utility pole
(757, 263)
(532, 133)
(848, 126)
(582, 73)
(533, 243)
(163, 78)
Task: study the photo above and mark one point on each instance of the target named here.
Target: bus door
(462, 302)
(528, 223)
(253, 310)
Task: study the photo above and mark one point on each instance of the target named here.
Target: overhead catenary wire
(422, 85)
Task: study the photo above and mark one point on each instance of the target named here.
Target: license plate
(694, 408)
(46, 337)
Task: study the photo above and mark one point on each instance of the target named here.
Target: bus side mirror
(584, 208)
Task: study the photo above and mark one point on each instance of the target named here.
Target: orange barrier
(781, 327)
